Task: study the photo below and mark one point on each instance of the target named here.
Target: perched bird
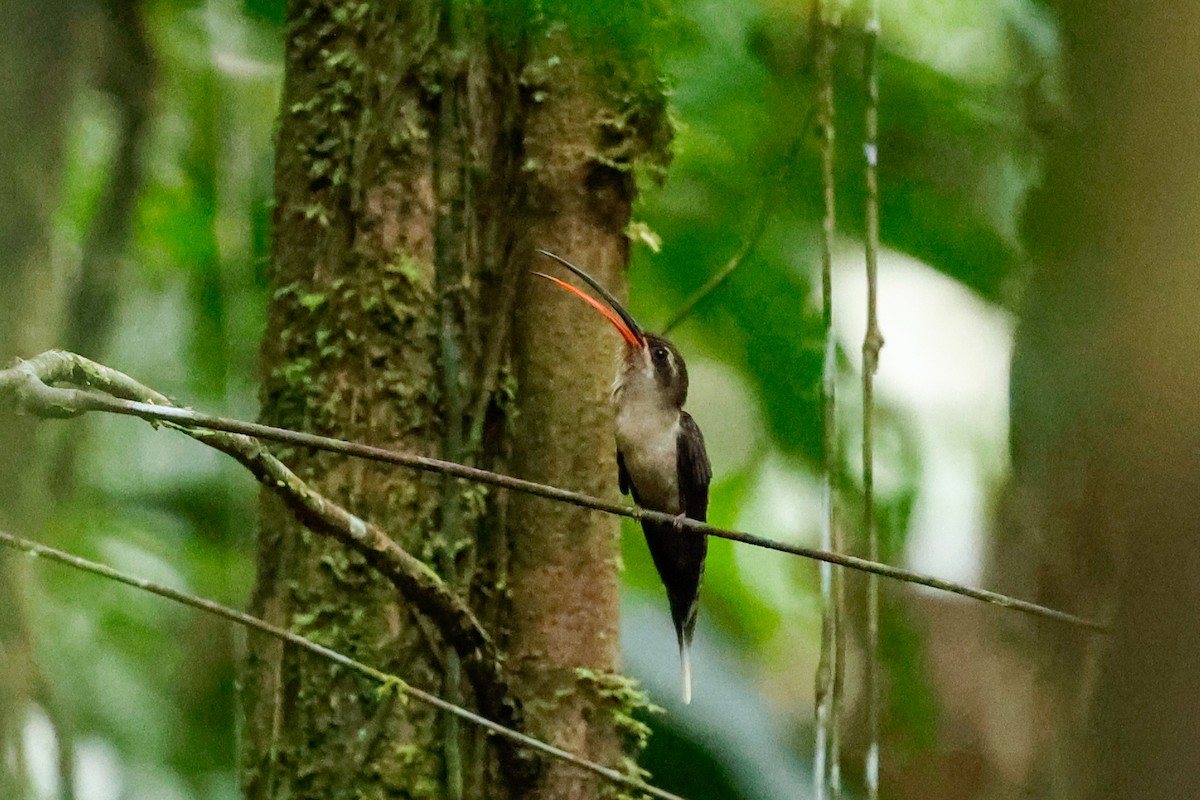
(661, 458)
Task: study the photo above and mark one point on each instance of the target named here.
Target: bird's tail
(685, 661)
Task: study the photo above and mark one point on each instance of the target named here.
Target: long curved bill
(621, 319)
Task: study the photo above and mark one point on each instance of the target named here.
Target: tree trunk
(36, 51)
(425, 151)
(1106, 413)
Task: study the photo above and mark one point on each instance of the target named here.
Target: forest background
(1035, 415)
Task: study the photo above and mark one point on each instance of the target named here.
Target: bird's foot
(678, 522)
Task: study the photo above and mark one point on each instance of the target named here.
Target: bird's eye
(660, 354)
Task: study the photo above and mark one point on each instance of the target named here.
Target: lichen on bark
(375, 194)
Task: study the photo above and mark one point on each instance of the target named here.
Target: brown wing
(695, 472)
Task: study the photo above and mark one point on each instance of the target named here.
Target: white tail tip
(687, 674)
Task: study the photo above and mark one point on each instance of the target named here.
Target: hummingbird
(661, 458)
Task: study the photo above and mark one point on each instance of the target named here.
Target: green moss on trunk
(542, 152)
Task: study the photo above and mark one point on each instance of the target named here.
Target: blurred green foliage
(155, 684)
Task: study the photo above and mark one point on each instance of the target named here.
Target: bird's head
(651, 368)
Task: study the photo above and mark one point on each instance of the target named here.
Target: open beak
(630, 331)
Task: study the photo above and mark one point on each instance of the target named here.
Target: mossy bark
(425, 151)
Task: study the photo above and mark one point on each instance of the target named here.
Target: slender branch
(129, 76)
(387, 682)
(872, 343)
(718, 279)
(831, 666)
(448, 270)
(416, 581)
(61, 723)
(22, 388)
(489, 374)
(751, 241)
(722, 275)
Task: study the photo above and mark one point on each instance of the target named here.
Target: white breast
(647, 436)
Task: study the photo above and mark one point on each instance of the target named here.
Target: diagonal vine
(22, 388)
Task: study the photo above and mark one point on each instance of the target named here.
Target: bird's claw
(678, 522)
